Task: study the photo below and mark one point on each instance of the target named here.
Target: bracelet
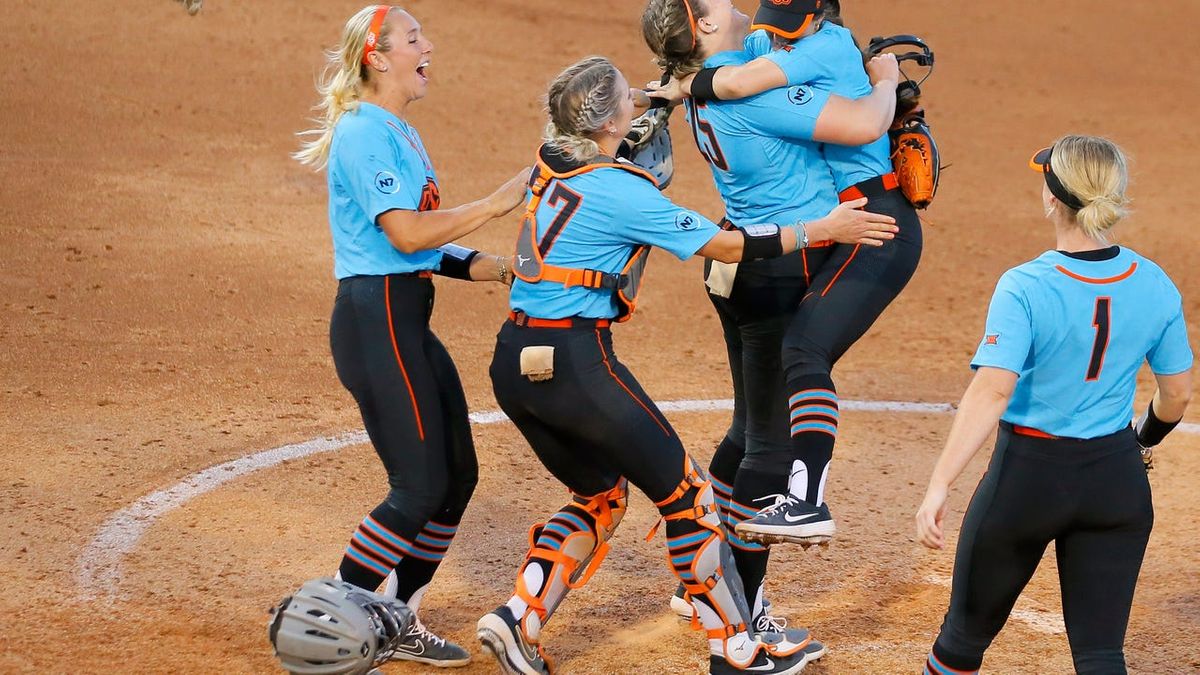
(801, 235)
(503, 274)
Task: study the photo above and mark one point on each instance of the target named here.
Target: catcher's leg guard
(564, 553)
(702, 560)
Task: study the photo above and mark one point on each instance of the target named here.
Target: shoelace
(770, 624)
(781, 502)
(419, 631)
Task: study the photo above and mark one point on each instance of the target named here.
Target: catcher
(804, 47)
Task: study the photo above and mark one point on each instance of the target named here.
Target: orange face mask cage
(381, 12)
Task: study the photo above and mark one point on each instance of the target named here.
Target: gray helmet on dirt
(330, 627)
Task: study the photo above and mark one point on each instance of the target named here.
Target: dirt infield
(167, 284)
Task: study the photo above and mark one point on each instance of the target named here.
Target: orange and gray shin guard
(703, 561)
(565, 551)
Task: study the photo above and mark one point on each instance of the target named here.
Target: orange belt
(884, 183)
(524, 320)
(1030, 431)
(423, 274)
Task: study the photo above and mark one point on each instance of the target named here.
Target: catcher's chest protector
(532, 268)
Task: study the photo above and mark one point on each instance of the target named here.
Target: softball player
(387, 230)
(854, 285)
(765, 159)
(580, 257)
(1065, 337)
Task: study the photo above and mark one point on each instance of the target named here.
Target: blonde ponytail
(581, 99)
(341, 85)
(1096, 171)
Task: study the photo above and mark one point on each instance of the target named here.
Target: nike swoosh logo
(416, 649)
(788, 517)
(769, 665)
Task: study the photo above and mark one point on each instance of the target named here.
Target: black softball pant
(1092, 499)
(753, 461)
(847, 295)
(415, 412)
(593, 426)
(592, 423)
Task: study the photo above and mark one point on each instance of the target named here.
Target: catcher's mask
(1040, 162)
(330, 627)
(787, 18)
(908, 49)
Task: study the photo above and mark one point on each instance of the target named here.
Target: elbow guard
(456, 261)
(761, 241)
(702, 85)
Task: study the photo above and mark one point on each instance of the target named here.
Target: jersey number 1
(1102, 322)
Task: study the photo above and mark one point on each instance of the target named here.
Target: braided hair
(670, 32)
(581, 99)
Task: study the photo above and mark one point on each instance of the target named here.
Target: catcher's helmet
(330, 627)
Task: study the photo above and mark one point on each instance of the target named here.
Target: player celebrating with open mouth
(389, 238)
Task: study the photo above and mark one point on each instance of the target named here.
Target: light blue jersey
(1076, 332)
(760, 149)
(830, 62)
(595, 220)
(376, 163)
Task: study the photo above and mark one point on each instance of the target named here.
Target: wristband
(1151, 430)
(456, 261)
(761, 241)
(702, 84)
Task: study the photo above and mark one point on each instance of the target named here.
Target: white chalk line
(1026, 611)
(98, 572)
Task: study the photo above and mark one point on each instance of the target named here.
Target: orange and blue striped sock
(814, 425)
(935, 666)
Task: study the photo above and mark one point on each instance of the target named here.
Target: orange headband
(381, 12)
(691, 23)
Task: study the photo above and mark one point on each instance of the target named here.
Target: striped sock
(814, 420)
(374, 551)
(934, 666)
(416, 570)
(814, 411)
(723, 471)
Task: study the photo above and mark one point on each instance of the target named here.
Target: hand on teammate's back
(849, 224)
(884, 68)
(512, 194)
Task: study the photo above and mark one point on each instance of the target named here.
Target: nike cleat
(780, 639)
(789, 520)
(764, 661)
(422, 646)
(502, 636)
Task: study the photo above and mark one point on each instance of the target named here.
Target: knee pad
(570, 547)
(700, 557)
